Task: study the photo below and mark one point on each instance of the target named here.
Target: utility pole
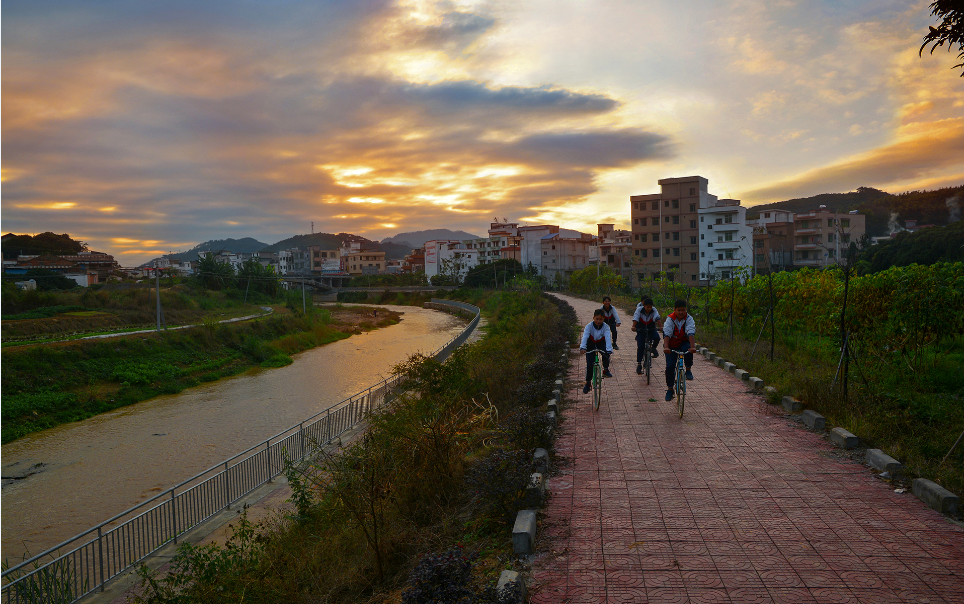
(157, 289)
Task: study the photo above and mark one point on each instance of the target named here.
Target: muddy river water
(101, 466)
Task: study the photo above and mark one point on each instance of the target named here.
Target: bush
(446, 578)
(526, 429)
(499, 481)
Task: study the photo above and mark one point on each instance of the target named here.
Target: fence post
(174, 515)
(227, 487)
(100, 550)
(328, 426)
(301, 440)
(267, 449)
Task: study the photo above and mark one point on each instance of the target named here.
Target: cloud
(914, 159)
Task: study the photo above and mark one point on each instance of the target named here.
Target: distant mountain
(884, 210)
(246, 244)
(416, 239)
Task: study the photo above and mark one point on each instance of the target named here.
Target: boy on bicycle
(644, 324)
(679, 330)
(611, 317)
(596, 336)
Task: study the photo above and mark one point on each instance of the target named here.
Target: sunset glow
(389, 116)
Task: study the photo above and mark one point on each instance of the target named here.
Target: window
(667, 251)
(702, 236)
(830, 237)
(635, 220)
(804, 224)
(666, 219)
(766, 214)
(665, 235)
(665, 203)
(693, 240)
(759, 258)
(832, 253)
(655, 205)
(692, 224)
(636, 252)
(675, 204)
(719, 256)
(692, 207)
(654, 221)
(702, 275)
(710, 244)
(846, 238)
(727, 236)
(830, 222)
(636, 237)
(728, 255)
(545, 253)
(676, 251)
(643, 237)
(675, 219)
(702, 254)
(728, 219)
(726, 274)
(692, 277)
(625, 263)
(674, 267)
(553, 247)
(845, 224)
(758, 243)
(656, 253)
(693, 256)
(642, 253)
(676, 236)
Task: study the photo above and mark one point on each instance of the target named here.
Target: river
(99, 467)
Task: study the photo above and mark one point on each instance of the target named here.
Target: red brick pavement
(732, 503)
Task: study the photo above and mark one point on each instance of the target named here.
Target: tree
(212, 273)
(950, 29)
(493, 274)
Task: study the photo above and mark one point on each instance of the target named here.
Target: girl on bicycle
(596, 336)
(679, 330)
(644, 324)
(611, 318)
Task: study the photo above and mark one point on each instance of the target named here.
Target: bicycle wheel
(680, 388)
(596, 384)
(647, 363)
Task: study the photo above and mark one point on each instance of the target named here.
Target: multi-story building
(726, 241)
(450, 258)
(563, 256)
(822, 237)
(327, 261)
(772, 241)
(414, 262)
(676, 232)
(614, 248)
(364, 262)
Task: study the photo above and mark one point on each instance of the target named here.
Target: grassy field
(50, 384)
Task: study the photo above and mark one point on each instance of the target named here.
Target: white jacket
(598, 335)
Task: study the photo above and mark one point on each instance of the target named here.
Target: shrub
(526, 429)
(446, 578)
(499, 481)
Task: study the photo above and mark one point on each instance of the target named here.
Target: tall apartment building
(562, 256)
(688, 233)
(772, 241)
(822, 237)
(615, 249)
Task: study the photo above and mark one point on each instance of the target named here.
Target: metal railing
(86, 562)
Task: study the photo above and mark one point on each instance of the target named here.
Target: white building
(449, 257)
(561, 257)
(726, 240)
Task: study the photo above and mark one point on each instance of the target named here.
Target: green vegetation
(44, 243)
(366, 515)
(404, 280)
(927, 246)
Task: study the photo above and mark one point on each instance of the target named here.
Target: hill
(330, 241)
(246, 244)
(415, 239)
(926, 247)
(927, 207)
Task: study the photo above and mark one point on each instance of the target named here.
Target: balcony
(808, 246)
(807, 231)
(808, 262)
(726, 245)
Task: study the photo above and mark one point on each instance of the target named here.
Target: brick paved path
(732, 503)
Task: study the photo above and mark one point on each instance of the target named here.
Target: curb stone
(843, 439)
(935, 496)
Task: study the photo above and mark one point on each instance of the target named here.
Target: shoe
(655, 354)
(606, 373)
(689, 374)
(639, 368)
(587, 388)
(669, 395)
(615, 347)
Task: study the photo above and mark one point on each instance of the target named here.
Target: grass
(84, 378)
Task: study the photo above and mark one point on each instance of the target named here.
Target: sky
(143, 128)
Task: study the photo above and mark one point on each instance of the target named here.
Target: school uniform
(611, 317)
(680, 334)
(645, 326)
(596, 338)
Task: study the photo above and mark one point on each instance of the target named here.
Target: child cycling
(644, 324)
(596, 336)
(679, 330)
(611, 317)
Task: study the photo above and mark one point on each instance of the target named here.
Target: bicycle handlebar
(583, 350)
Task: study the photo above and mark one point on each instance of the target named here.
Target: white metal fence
(85, 563)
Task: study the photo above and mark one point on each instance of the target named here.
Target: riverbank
(45, 386)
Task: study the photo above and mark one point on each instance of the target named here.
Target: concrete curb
(791, 404)
(843, 439)
(509, 577)
(883, 462)
(935, 496)
(814, 421)
(524, 532)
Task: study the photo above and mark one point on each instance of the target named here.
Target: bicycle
(680, 387)
(597, 377)
(647, 357)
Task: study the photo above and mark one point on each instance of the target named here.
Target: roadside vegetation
(420, 508)
(47, 384)
(901, 388)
